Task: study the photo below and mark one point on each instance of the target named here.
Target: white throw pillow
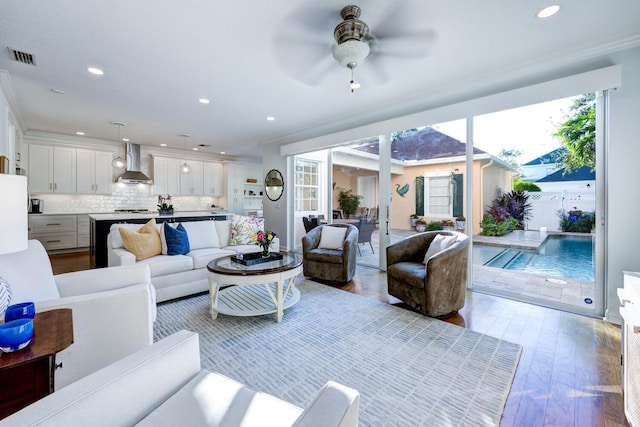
(116, 238)
(202, 234)
(332, 237)
(439, 243)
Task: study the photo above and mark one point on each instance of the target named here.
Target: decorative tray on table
(255, 258)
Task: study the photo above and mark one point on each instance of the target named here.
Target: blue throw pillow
(177, 240)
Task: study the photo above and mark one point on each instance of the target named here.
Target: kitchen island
(100, 225)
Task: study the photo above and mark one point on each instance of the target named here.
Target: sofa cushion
(202, 257)
(202, 234)
(161, 265)
(439, 243)
(324, 256)
(223, 228)
(116, 238)
(29, 274)
(211, 399)
(410, 273)
(332, 237)
(177, 240)
(143, 243)
(243, 228)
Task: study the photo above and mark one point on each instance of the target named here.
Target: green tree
(578, 134)
(526, 186)
(511, 157)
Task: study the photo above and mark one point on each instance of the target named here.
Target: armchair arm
(106, 327)
(334, 405)
(311, 240)
(103, 279)
(120, 256)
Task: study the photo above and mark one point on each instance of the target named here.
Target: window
(437, 196)
(306, 181)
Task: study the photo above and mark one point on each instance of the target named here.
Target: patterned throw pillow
(243, 228)
(144, 243)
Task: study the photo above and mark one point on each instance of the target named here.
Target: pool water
(568, 257)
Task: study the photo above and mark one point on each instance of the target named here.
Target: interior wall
(275, 213)
(622, 174)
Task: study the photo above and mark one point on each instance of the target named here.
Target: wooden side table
(27, 375)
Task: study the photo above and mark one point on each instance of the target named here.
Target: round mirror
(274, 185)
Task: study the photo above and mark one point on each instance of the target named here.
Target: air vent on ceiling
(23, 57)
(204, 145)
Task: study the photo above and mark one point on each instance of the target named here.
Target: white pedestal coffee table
(257, 289)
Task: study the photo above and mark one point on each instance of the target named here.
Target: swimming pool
(569, 257)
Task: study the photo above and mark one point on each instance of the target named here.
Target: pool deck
(563, 293)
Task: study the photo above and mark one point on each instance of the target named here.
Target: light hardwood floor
(569, 372)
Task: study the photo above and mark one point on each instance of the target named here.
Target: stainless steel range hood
(133, 174)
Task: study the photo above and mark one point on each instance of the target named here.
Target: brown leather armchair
(437, 288)
(330, 265)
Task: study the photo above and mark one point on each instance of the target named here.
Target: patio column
(384, 213)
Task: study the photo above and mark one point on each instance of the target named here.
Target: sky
(529, 129)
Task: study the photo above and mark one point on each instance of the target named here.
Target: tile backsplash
(123, 196)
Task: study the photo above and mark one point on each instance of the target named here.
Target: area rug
(410, 370)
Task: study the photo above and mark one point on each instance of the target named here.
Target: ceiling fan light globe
(351, 51)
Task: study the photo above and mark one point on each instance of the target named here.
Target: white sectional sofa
(176, 276)
(163, 385)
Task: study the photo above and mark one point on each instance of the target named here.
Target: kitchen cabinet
(93, 174)
(54, 231)
(191, 184)
(235, 188)
(52, 169)
(166, 175)
(83, 231)
(212, 179)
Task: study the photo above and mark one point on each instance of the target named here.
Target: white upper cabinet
(166, 175)
(191, 183)
(212, 179)
(52, 169)
(94, 171)
(235, 188)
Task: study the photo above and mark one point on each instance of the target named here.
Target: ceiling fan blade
(303, 44)
(416, 44)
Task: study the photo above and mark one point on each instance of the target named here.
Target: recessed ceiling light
(548, 11)
(163, 145)
(96, 71)
(195, 148)
(270, 118)
(80, 133)
(58, 91)
(203, 101)
(223, 152)
(125, 139)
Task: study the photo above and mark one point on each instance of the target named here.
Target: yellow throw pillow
(144, 243)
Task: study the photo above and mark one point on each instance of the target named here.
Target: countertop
(127, 215)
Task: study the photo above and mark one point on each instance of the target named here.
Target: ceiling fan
(306, 51)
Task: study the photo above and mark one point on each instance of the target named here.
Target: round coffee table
(257, 289)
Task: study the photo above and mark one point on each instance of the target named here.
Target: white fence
(545, 207)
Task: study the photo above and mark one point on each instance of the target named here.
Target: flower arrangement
(164, 204)
(263, 239)
(575, 214)
(448, 223)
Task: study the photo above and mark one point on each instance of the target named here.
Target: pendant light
(118, 162)
(185, 168)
